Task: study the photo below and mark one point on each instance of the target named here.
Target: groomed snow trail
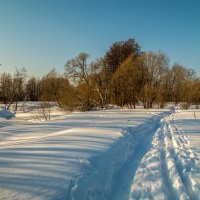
(162, 173)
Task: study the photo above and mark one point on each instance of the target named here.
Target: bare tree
(54, 87)
(155, 67)
(100, 81)
(33, 89)
(6, 89)
(77, 69)
(43, 111)
(79, 73)
(19, 81)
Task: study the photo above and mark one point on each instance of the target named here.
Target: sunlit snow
(109, 154)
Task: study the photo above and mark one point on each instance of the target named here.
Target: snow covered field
(110, 154)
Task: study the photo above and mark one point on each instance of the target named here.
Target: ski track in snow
(162, 173)
(152, 160)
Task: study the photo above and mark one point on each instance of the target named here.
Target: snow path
(118, 183)
(162, 173)
(123, 185)
(173, 166)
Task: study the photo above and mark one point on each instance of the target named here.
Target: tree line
(124, 76)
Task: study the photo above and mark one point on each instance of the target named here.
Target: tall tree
(19, 81)
(79, 73)
(33, 89)
(77, 69)
(100, 81)
(126, 82)
(54, 87)
(6, 88)
(182, 78)
(155, 70)
(119, 52)
(115, 56)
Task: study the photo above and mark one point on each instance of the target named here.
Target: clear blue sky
(44, 34)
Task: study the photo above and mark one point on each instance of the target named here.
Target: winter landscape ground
(115, 154)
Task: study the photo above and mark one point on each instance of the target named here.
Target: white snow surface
(112, 154)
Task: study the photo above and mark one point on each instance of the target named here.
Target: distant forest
(124, 76)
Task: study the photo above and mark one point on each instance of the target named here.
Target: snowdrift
(6, 114)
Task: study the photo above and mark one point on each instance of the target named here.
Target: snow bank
(6, 114)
